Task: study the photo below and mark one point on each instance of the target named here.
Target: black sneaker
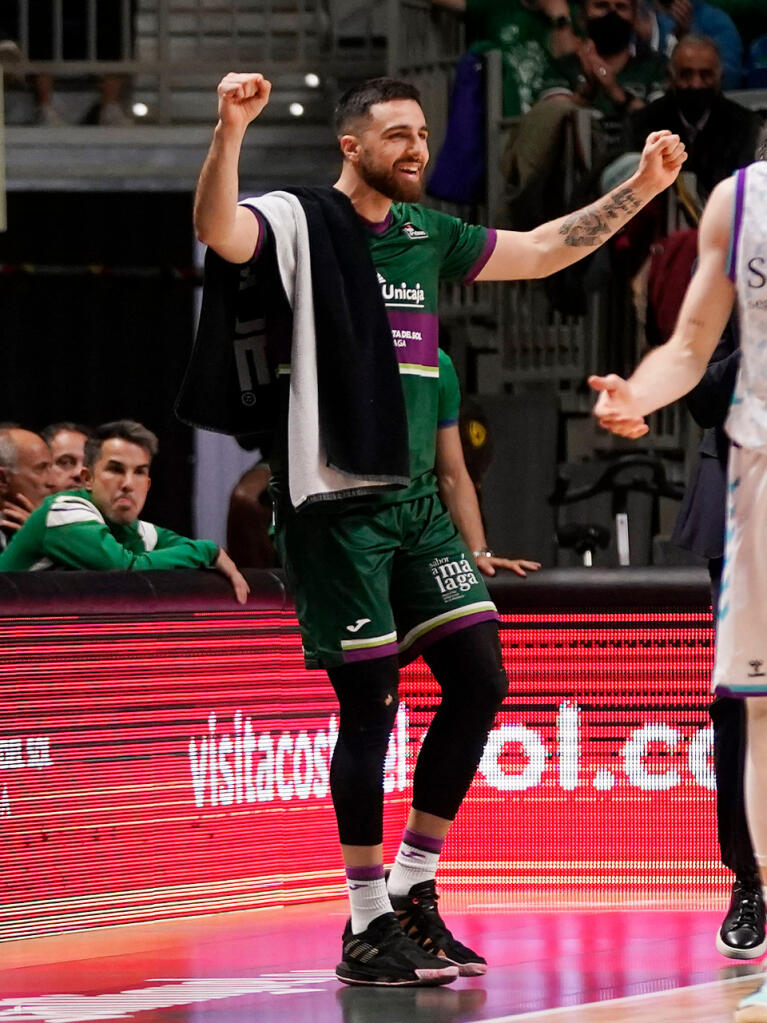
(741, 935)
(420, 920)
(382, 954)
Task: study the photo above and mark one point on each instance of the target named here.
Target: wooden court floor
(277, 967)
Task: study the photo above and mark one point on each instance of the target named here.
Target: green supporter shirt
(645, 77)
(414, 250)
(449, 392)
(524, 38)
(68, 531)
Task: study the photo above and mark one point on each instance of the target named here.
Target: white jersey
(740, 668)
(747, 420)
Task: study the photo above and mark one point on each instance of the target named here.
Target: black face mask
(693, 103)
(611, 33)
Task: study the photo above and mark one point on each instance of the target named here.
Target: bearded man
(378, 570)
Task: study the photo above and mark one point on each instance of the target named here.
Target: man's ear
(350, 147)
(5, 482)
(86, 477)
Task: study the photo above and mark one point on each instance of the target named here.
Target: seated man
(25, 477)
(98, 527)
(67, 444)
(720, 135)
(611, 76)
(678, 18)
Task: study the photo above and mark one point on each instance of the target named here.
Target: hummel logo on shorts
(357, 625)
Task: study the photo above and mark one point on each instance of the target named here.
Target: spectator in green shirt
(529, 33)
(98, 526)
(612, 74)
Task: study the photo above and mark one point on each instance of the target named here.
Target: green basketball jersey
(414, 250)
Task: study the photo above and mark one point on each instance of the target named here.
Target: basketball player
(732, 267)
(365, 571)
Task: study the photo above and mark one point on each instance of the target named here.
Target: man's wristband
(483, 554)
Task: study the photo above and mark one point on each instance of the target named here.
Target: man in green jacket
(98, 527)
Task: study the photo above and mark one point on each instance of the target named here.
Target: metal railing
(169, 48)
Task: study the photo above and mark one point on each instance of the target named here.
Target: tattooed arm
(673, 369)
(559, 243)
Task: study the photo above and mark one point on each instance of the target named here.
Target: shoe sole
(740, 953)
(424, 978)
(471, 969)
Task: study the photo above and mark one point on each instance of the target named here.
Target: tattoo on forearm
(590, 226)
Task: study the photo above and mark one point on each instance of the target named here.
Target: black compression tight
(470, 673)
(468, 667)
(367, 701)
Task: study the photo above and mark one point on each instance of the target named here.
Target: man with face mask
(611, 73)
(680, 18)
(720, 135)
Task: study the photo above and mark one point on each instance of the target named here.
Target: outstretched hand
(661, 160)
(241, 98)
(520, 566)
(615, 408)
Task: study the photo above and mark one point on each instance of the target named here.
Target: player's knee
(492, 689)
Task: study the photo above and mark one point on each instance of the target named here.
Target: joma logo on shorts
(455, 576)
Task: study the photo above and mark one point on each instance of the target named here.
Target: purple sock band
(365, 873)
(425, 842)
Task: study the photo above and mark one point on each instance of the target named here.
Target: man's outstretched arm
(559, 243)
(673, 369)
(229, 229)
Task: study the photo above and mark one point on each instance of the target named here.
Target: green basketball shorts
(373, 581)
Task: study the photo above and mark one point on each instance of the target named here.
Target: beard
(389, 183)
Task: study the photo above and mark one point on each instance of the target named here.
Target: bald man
(720, 135)
(25, 478)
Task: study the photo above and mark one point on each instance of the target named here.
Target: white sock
(416, 862)
(368, 897)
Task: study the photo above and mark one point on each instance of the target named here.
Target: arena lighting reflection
(163, 765)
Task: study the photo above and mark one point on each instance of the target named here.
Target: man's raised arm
(673, 369)
(229, 229)
(556, 244)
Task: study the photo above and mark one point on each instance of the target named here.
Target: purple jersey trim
(740, 189)
(370, 653)
(261, 230)
(485, 254)
(447, 422)
(379, 227)
(447, 629)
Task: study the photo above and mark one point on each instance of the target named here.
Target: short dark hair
(123, 429)
(357, 101)
(54, 429)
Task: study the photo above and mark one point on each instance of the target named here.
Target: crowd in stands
(584, 82)
(107, 35)
(71, 498)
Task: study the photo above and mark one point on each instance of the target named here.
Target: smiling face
(390, 150)
(119, 480)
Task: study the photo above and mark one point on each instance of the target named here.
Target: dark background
(107, 344)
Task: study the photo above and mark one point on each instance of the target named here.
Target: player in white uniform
(732, 268)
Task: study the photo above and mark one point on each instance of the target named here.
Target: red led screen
(160, 767)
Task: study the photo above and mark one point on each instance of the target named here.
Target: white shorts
(740, 666)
